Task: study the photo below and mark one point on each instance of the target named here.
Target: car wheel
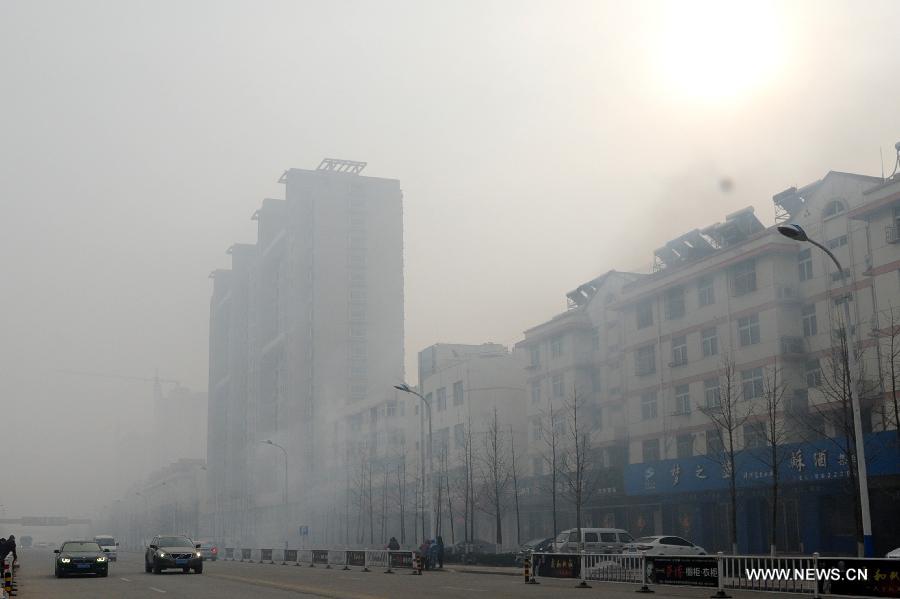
(104, 574)
(147, 567)
(58, 573)
(199, 569)
(157, 569)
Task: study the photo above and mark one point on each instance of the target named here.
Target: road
(127, 579)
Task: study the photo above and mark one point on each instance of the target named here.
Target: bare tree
(495, 475)
(401, 494)
(773, 428)
(889, 339)
(551, 436)
(449, 500)
(514, 472)
(728, 415)
(575, 466)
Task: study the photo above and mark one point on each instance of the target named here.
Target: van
(596, 540)
(108, 542)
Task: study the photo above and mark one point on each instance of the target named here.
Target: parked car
(209, 550)
(665, 545)
(895, 554)
(475, 546)
(173, 551)
(596, 540)
(80, 557)
(533, 546)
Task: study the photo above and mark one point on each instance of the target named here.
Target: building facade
(306, 330)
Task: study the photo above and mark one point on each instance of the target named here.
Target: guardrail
(343, 559)
(813, 575)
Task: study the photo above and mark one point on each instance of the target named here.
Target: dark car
(80, 557)
(173, 551)
(534, 546)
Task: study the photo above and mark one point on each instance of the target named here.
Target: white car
(665, 545)
(895, 554)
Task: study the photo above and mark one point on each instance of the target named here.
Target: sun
(719, 51)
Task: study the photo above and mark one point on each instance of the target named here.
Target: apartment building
(734, 292)
(465, 385)
(306, 334)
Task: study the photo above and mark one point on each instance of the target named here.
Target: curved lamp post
(796, 232)
(407, 389)
(284, 497)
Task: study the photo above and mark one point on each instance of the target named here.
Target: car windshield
(81, 546)
(646, 540)
(625, 537)
(105, 541)
(175, 542)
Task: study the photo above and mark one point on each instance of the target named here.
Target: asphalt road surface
(127, 579)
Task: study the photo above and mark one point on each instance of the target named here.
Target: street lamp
(407, 389)
(284, 496)
(796, 232)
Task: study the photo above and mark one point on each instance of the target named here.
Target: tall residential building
(305, 330)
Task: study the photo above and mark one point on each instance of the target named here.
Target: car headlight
(64, 560)
(101, 558)
(199, 554)
(161, 554)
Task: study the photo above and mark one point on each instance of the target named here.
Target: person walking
(393, 545)
(440, 552)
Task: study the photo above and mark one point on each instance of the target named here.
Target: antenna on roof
(897, 163)
(341, 166)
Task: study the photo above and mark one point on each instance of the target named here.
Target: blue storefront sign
(818, 461)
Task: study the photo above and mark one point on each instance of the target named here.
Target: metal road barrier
(734, 573)
(246, 555)
(288, 555)
(229, 553)
(10, 586)
(613, 567)
(265, 556)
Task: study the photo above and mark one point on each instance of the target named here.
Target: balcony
(793, 346)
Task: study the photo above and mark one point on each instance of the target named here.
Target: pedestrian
(393, 545)
(440, 551)
(426, 554)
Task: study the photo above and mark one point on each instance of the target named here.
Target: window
(536, 355)
(840, 275)
(442, 399)
(556, 347)
(813, 373)
(645, 314)
(537, 431)
(833, 244)
(683, 399)
(590, 537)
(808, 320)
(679, 350)
(709, 342)
(648, 405)
(744, 277)
(805, 262)
(712, 395)
(391, 409)
(558, 385)
(752, 383)
(458, 393)
(535, 392)
(684, 446)
(650, 450)
(459, 435)
(674, 303)
(705, 294)
(754, 436)
(833, 208)
(645, 360)
(748, 330)
(713, 442)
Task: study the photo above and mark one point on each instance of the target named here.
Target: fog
(537, 145)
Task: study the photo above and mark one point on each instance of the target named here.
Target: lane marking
(465, 589)
(126, 579)
(157, 590)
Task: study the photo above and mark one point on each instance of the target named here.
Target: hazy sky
(538, 145)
